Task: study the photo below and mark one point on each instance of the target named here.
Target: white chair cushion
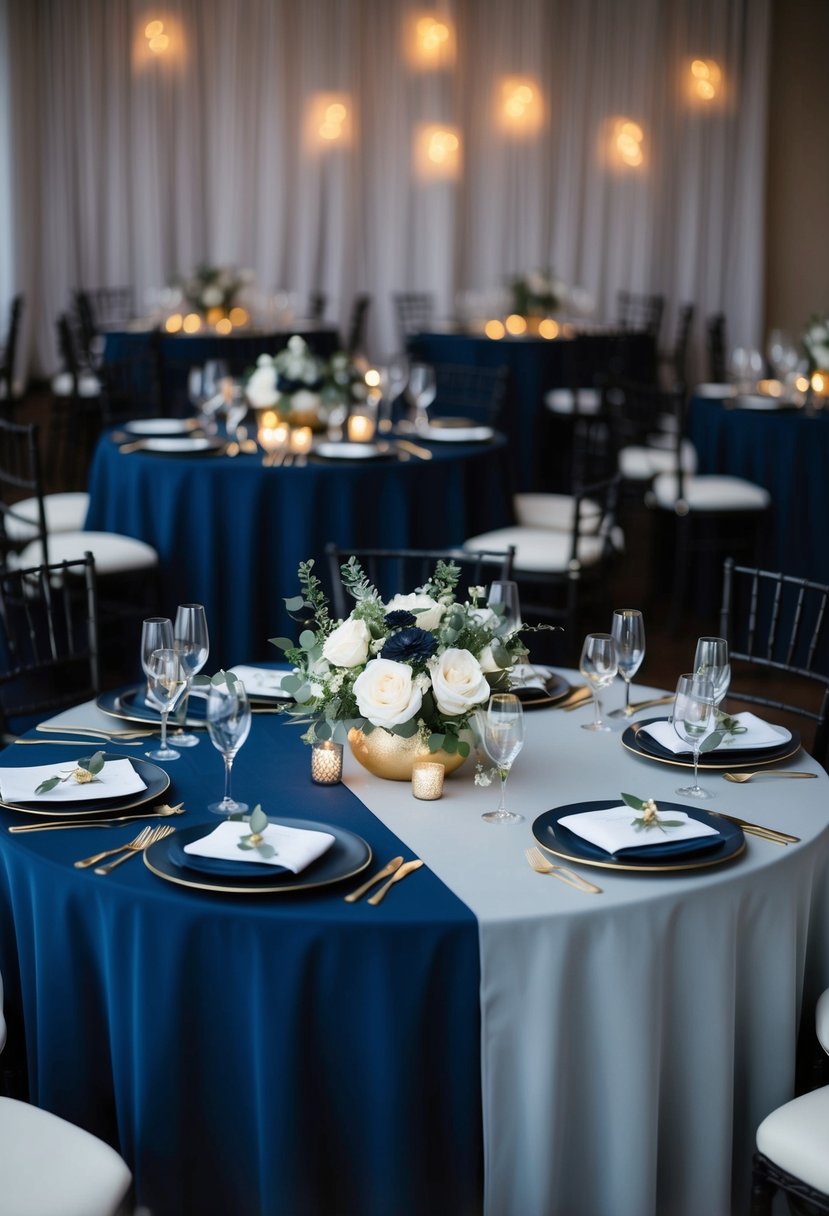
(113, 553)
(796, 1136)
(710, 492)
(822, 1020)
(64, 513)
(563, 401)
(50, 1167)
(88, 385)
(643, 463)
(540, 549)
(555, 511)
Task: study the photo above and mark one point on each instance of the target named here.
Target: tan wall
(797, 220)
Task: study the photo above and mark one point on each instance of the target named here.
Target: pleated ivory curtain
(121, 167)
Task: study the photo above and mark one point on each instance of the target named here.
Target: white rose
(264, 361)
(487, 661)
(347, 645)
(458, 682)
(261, 388)
(427, 610)
(305, 402)
(386, 693)
(211, 297)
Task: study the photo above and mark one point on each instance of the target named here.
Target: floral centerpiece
(300, 386)
(816, 342)
(414, 668)
(212, 290)
(538, 294)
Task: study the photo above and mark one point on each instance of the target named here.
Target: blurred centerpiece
(212, 292)
(538, 294)
(302, 389)
(401, 680)
(816, 343)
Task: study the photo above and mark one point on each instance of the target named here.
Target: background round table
(231, 533)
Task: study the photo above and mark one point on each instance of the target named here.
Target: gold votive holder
(326, 762)
(427, 780)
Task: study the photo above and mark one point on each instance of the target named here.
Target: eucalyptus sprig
(649, 819)
(84, 772)
(725, 726)
(221, 677)
(257, 823)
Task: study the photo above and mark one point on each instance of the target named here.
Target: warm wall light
(705, 79)
(437, 151)
(518, 105)
(623, 143)
(328, 121)
(429, 41)
(159, 41)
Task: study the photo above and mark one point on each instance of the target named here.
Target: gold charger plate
(156, 779)
(745, 758)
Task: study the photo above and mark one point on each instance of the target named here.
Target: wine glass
(205, 390)
(394, 376)
(156, 634)
(598, 664)
(166, 682)
(503, 738)
(628, 632)
(423, 390)
(694, 719)
(228, 724)
(503, 599)
(193, 646)
(711, 661)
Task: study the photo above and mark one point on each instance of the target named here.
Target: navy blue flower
(409, 645)
(401, 619)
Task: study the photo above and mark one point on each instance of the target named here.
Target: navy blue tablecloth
(279, 1055)
(231, 533)
(535, 366)
(787, 451)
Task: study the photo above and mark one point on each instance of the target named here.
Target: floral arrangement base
(392, 757)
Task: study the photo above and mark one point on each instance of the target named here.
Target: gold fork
(141, 839)
(768, 772)
(155, 835)
(541, 865)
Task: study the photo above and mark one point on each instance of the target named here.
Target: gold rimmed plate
(156, 780)
(555, 689)
(348, 855)
(635, 739)
(556, 839)
(128, 705)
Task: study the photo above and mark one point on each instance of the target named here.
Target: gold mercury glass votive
(427, 780)
(326, 762)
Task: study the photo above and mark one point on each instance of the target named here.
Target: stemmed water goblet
(423, 390)
(628, 632)
(503, 738)
(204, 386)
(193, 646)
(694, 720)
(394, 376)
(598, 665)
(711, 661)
(166, 682)
(156, 634)
(228, 725)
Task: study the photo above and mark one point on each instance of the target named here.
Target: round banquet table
(231, 533)
(485, 1040)
(785, 450)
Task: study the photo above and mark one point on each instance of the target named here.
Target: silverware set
(142, 841)
(162, 811)
(393, 871)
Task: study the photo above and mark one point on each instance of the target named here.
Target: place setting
(94, 784)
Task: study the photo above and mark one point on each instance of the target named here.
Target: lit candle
(327, 762)
(360, 428)
(301, 437)
(427, 780)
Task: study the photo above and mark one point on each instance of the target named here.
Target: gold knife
(97, 731)
(389, 868)
(403, 870)
(414, 450)
(757, 829)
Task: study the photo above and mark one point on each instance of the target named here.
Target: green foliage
(84, 773)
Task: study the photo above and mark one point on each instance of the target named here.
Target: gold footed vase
(391, 757)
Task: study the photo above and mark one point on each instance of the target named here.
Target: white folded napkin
(294, 848)
(116, 779)
(262, 681)
(613, 828)
(757, 734)
(525, 676)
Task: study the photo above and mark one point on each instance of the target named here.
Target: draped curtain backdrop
(120, 166)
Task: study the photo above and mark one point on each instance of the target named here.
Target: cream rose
(427, 610)
(261, 387)
(458, 682)
(386, 693)
(347, 645)
(487, 661)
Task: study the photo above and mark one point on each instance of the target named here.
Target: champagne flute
(598, 664)
(193, 646)
(228, 724)
(166, 682)
(628, 632)
(503, 738)
(423, 389)
(711, 661)
(695, 718)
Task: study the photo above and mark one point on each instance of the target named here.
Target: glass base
(228, 806)
(163, 753)
(502, 817)
(185, 739)
(595, 726)
(694, 791)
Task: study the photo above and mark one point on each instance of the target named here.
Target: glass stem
(597, 708)
(503, 773)
(228, 767)
(164, 713)
(696, 766)
(627, 693)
